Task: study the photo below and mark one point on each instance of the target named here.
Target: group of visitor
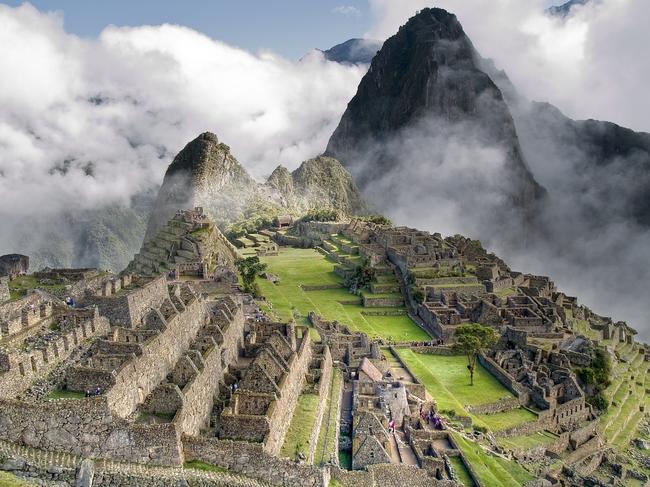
(432, 419)
(94, 392)
(69, 300)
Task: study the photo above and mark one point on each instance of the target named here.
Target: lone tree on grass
(249, 268)
(470, 339)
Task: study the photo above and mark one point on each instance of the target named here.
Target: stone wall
(280, 419)
(135, 380)
(19, 369)
(200, 391)
(4, 289)
(252, 460)
(494, 407)
(389, 475)
(324, 387)
(129, 309)
(502, 376)
(87, 427)
(370, 301)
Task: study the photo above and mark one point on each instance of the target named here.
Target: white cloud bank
(593, 65)
(86, 123)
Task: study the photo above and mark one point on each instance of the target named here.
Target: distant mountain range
(353, 51)
(564, 9)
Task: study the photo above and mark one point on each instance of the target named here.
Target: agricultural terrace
(306, 267)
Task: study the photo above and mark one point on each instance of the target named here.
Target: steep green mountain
(206, 174)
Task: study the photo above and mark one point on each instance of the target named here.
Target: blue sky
(289, 27)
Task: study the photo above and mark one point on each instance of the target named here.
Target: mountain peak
(427, 84)
(203, 173)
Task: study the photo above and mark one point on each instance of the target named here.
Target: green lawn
(492, 471)
(204, 467)
(296, 267)
(64, 395)
(526, 442)
(327, 448)
(461, 471)
(9, 480)
(447, 380)
(19, 286)
(507, 419)
(507, 292)
(297, 439)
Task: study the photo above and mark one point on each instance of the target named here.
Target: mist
(593, 64)
(587, 238)
(88, 125)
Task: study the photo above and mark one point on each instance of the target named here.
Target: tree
(249, 268)
(470, 339)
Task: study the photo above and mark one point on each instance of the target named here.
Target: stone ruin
(13, 265)
(188, 245)
(169, 363)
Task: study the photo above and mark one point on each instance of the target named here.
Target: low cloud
(593, 64)
(86, 123)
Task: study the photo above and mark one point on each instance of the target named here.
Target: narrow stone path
(346, 406)
(406, 453)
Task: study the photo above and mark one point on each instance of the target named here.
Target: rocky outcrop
(428, 73)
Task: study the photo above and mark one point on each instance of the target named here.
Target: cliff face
(427, 75)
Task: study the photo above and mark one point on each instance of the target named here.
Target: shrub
(418, 295)
(322, 215)
(361, 278)
(378, 219)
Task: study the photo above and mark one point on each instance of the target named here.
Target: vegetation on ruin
(461, 471)
(204, 467)
(361, 277)
(322, 215)
(377, 219)
(491, 470)
(470, 340)
(436, 273)
(598, 376)
(19, 286)
(60, 394)
(296, 442)
(298, 267)
(327, 447)
(249, 268)
(418, 294)
(10, 480)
